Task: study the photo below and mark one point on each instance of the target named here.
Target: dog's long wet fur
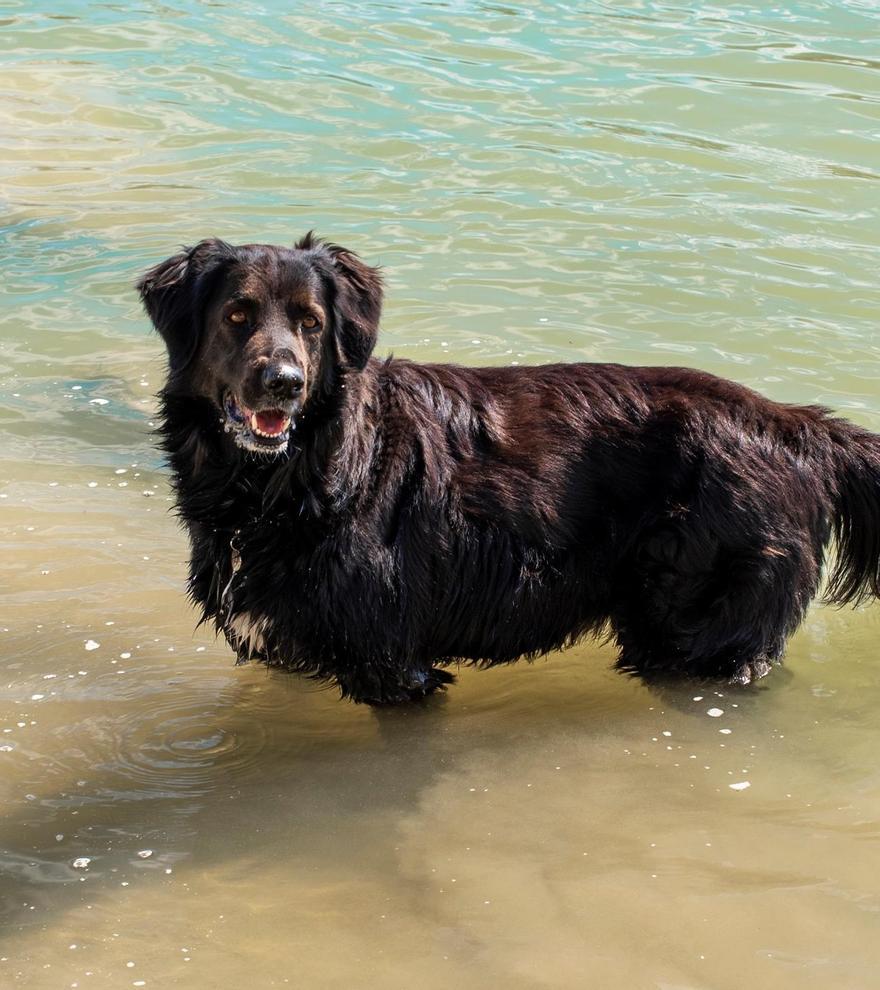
(370, 522)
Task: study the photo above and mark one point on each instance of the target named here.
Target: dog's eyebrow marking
(304, 300)
(300, 310)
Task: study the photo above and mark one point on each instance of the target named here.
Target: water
(648, 183)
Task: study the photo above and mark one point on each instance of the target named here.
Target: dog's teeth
(262, 433)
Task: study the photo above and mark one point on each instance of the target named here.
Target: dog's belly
(544, 610)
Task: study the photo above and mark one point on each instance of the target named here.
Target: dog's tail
(856, 523)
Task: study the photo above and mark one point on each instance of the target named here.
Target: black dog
(370, 522)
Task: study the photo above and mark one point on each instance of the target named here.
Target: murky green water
(646, 182)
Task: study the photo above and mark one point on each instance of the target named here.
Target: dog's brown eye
(310, 323)
(238, 316)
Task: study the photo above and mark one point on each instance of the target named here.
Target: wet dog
(371, 522)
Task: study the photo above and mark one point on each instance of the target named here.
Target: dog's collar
(234, 568)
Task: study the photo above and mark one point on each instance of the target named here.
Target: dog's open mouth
(263, 430)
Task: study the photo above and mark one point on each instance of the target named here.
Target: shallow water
(648, 183)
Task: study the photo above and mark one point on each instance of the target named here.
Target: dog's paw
(424, 683)
(417, 685)
(751, 671)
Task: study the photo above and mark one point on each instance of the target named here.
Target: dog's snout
(283, 379)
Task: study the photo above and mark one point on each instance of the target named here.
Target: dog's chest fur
(246, 634)
(248, 592)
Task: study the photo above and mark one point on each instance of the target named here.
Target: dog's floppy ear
(175, 292)
(358, 300)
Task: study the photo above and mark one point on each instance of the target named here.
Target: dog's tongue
(271, 421)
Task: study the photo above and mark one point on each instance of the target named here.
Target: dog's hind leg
(691, 606)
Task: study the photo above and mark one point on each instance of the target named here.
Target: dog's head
(261, 331)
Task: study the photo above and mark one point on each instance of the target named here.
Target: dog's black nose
(284, 380)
